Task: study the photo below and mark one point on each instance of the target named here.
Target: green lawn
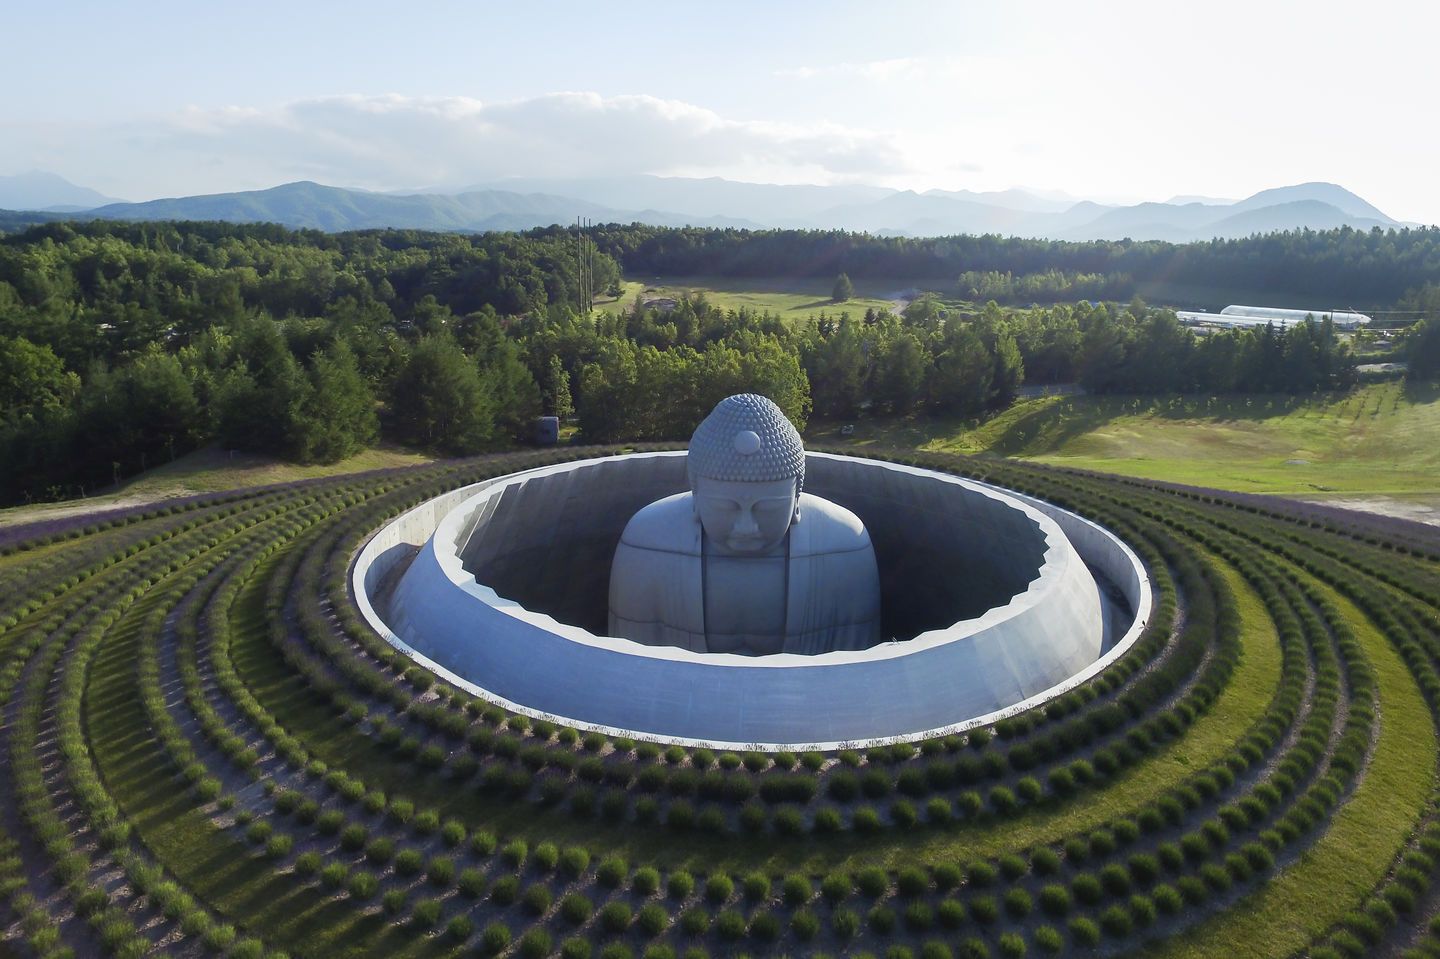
(1380, 439)
(793, 299)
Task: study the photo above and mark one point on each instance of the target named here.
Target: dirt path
(21, 515)
(1425, 511)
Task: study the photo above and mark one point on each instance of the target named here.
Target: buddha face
(745, 518)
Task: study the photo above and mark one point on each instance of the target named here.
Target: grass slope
(210, 470)
(1379, 439)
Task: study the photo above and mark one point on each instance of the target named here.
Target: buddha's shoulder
(828, 527)
(667, 524)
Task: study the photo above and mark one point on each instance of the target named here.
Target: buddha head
(746, 466)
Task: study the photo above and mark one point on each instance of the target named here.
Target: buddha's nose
(745, 525)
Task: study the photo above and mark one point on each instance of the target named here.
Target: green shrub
(912, 881)
(730, 924)
(611, 872)
(616, 916)
(494, 938)
(680, 885)
(652, 919)
(363, 884)
(719, 888)
(1048, 939)
(764, 927)
(872, 881)
(471, 882)
(1084, 931)
(537, 899)
(505, 890)
(440, 871)
(984, 910)
(646, 881)
(881, 919)
(836, 886)
(695, 922)
(535, 944)
(1012, 945)
(460, 928)
(546, 856)
(515, 852)
(426, 913)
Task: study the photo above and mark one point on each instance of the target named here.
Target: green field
(1377, 440)
(793, 299)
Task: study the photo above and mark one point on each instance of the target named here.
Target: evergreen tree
(335, 418)
(963, 374)
(438, 399)
(842, 290)
(1423, 349)
(557, 398)
(900, 374)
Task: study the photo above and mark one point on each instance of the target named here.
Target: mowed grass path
(1335, 875)
(1382, 439)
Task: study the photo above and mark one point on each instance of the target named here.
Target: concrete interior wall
(945, 553)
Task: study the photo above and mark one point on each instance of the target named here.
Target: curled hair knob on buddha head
(747, 439)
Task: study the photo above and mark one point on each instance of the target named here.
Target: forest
(1359, 268)
(125, 345)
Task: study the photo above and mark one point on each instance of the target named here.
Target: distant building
(1238, 316)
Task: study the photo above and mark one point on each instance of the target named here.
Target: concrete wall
(945, 553)
(944, 679)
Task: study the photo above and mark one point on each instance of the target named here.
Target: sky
(1115, 101)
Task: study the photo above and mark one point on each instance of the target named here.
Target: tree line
(1346, 266)
(125, 345)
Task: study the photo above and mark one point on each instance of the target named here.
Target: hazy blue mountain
(723, 203)
(708, 197)
(1022, 200)
(38, 190)
(1184, 198)
(313, 206)
(1313, 214)
(1151, 221)
(917, 213)
(1336, 196)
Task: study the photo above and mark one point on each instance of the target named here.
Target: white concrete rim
(1034, 508)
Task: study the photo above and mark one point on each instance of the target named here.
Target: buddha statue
(746, 562)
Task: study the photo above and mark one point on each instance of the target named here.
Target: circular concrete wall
(989, 605)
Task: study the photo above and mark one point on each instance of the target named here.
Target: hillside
(1378, 441)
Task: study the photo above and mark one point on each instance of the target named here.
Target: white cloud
(394, 142)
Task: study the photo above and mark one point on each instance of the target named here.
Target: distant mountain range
(521, 203)
(46, 191)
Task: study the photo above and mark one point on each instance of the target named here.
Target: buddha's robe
(817, 592)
